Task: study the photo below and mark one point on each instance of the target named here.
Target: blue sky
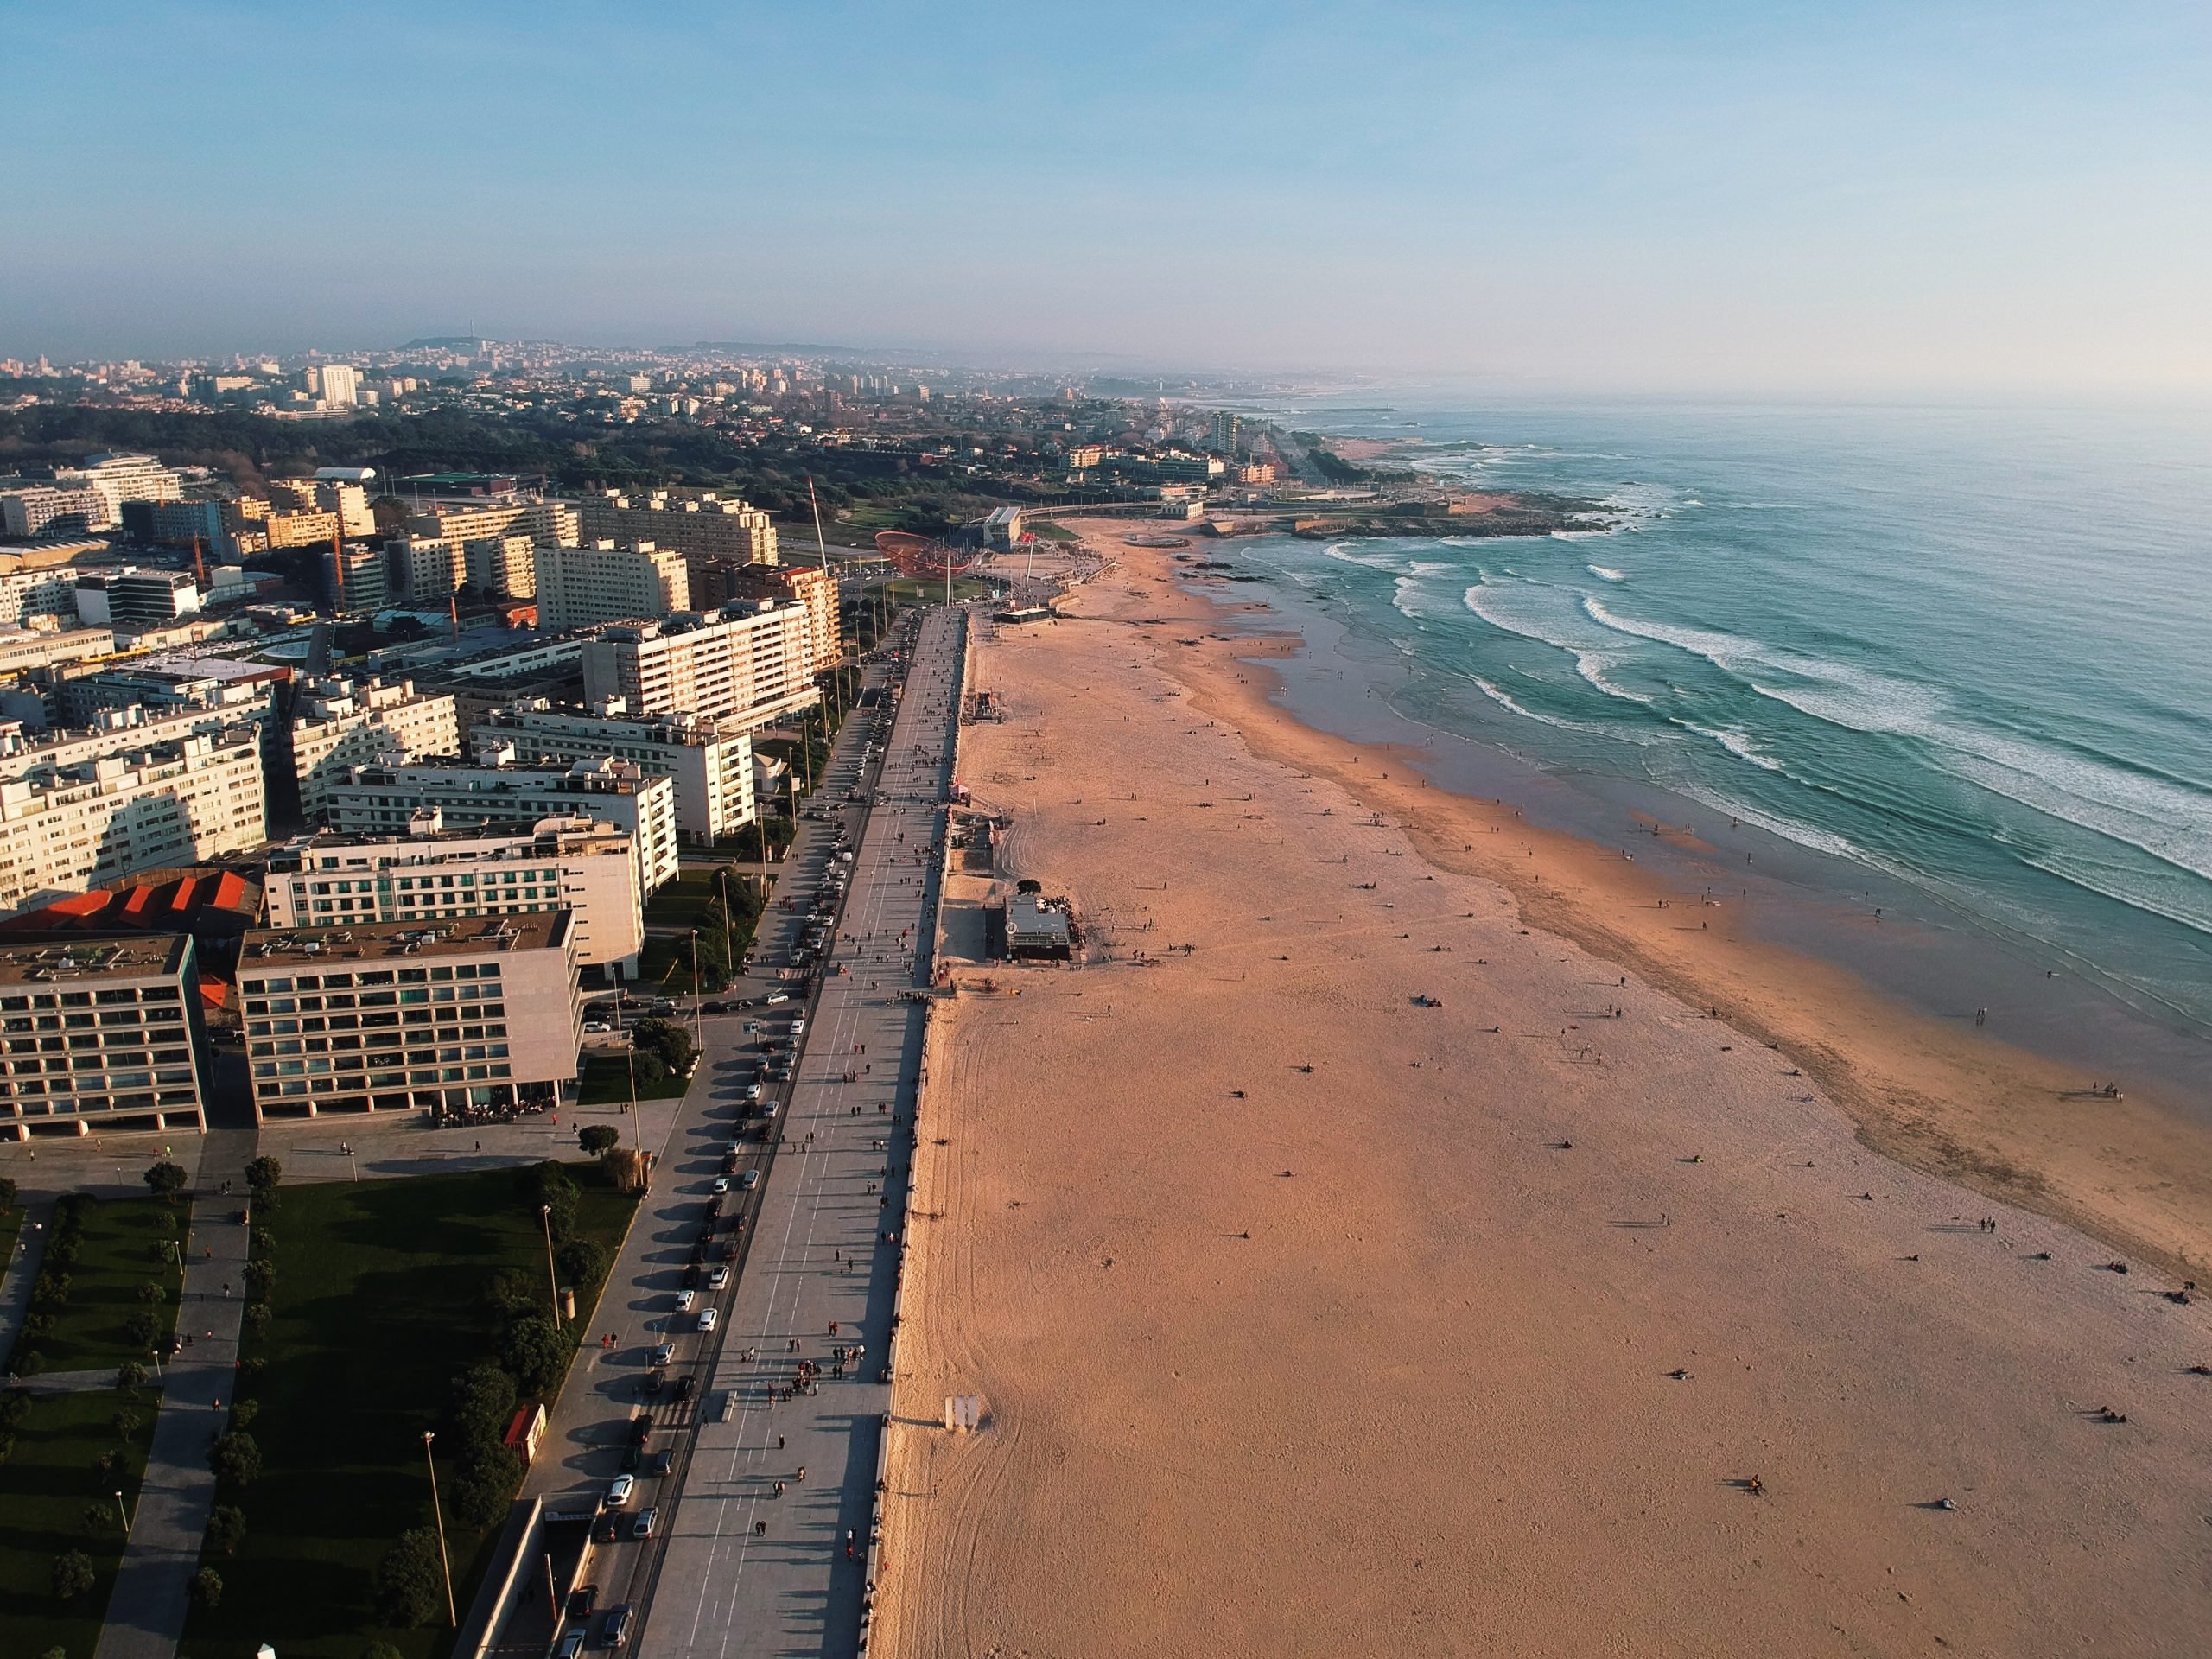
(1654, 196)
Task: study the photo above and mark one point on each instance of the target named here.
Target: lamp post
(552, 1280)
(697, 1029)
(129, 1519)
(437, 1512)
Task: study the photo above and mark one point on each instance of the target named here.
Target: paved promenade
(749, 1570)
(145, 1614)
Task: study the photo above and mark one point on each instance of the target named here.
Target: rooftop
(535, 930)
(44, 959)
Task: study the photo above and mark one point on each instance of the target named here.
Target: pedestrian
(779, 1442)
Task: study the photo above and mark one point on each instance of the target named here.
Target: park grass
(115, 1256)
(380, 1304)
(45, 1486)
(606, 1082)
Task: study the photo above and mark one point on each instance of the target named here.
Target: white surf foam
(1606, 573)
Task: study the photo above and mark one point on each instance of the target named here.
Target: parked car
(716, 1007)
(664, 1353)
(747, 1181)
(618, 1626)
(643, 1527)
(583, 1599)
(775, 997)
(683, 1301)
(619, 1493)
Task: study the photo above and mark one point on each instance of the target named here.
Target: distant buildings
(579, 586)
(115, 478)
(749, 667)
(31, 508)
(390, 1017)
(98, 1034)
(691, 525)
(717, 583)
(340, 386)
(131, 599)
(435, 874)
(501, 567)
(339, 724)
(1002, 529)
(386, 800)
(180, 524)
(712, 773)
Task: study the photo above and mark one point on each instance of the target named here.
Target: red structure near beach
(923, 556)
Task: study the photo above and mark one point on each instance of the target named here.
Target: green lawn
(906, 591)
(606, 1082)
(379, 1303)
(122, 1249)
(46, 1483)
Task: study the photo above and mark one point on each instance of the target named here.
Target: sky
(1635, 195)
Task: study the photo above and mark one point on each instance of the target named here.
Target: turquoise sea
(1959, 656)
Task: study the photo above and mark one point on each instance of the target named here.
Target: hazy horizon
(2006, 200)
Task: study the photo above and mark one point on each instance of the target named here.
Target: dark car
(631, 1457)
(641, 1429)
(617, 1618)
(662, 1463)
(583, 1599)
(691, 1277)
(716, 1007)
(649, 1385)
(683, 1388)
(604, 1528)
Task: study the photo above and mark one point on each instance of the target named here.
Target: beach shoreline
(1347, 1262)
(2135, 1172)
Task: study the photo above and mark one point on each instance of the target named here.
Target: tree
(596, 1138)
(72, 1575)
(153, 1292)
(264, 1174)
(14, 1406)
(130, 1375)
(260, 1280)
(139, 1329)
(166, 1179)
(483, 1404)
(236, 1458)
(125, 1423)
(226, 1530)
(581, 1261)
(536, 1353)
(666, 1040)
(411, 1583)
(98, 1517)
(7, 1192)
(243, 1412)
(487, 1487)
(381, 1650)
(207, 1588)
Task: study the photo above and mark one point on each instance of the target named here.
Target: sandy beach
(1376, 1243)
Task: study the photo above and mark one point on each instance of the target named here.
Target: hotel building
(712, 773)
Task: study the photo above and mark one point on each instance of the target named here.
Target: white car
(719, 1279)
(707, 1319)
(721, 1183)
(619, 1493)
(683, 1301)
(753, 1091)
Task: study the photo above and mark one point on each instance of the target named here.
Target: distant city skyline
(1973, 197)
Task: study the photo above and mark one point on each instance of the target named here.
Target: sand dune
(1379, 1356)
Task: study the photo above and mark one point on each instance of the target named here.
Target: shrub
(29, 1364)
(243, 1412)
(483, 1404)
(72, 1575)
(264, 1175)
(260, 1280)
(125, 1423)
(153, 1293)
(480, 1497)
(581, 1260)
(14, 1406)
(598, 1137)
(166, 1179)
(139, 1328)
(236, 1458)
(7, 1191)
(130, 1374)
(207, 1588)
(410, 1581)
(226, 1530)
(98, 1517)
(257, 1319)
(536, 1353)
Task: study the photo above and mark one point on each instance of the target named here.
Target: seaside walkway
(748, 1570)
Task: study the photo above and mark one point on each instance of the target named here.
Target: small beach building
(1039, 929)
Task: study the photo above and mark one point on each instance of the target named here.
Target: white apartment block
(435, 874)
(394, 1017)
(340, 724)
(580, 586)
(746, 666)
(202, 710)
(424, 569)
(712, 772)
(37, 593)
(504, 566)
(98, 1034)
(548, 524)
(700, 524)
(119, 478)
(342, 385)
(24, 649)
(31, 509)
(385, 800)
(65, 828)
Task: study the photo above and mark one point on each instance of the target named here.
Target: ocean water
(1966, 652)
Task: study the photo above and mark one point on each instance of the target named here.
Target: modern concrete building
(395, 1016)
(37, 593)
(386, 800)
(712, 772)
(501, 567)
(548, 524)
(140, 711)
(745, 665)
(437, 874)
(356, 579)
(130, 600)
(338, 724)
(98, 1034)
(342, 385)
(700, 524)
(67, 828)
(33, 508)
(1002, 529)
(425, 569)
(717, 583)
(24, 649)
(119, 478)
(180, 524)
(580, 586)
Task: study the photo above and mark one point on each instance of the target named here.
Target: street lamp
(552, 1280)
(129, 1519)
(438, 1513)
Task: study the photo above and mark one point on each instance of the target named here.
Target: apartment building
(338, 724)
(64, 829)
(712, 772)
(131, 599)
(24, 649)
(548, 524)
(307, 527)
(435, 874)
(425, 568)
(347, 499)
(746, 666)
(30, 508)
(356, 579)
(118, 478)
(98, 1034)
(37, 593)
(717, 583)
(160, 712)
(396, 1017)
(504, 567)
(705, 525)
(180, 524)
(580, 586)
(385, 800)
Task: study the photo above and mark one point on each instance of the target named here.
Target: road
(703, 1582)
(748, 1570)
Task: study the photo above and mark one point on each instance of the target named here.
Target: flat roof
(66, 958)
(474, 936)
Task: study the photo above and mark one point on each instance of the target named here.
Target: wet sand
(1376, 1357)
